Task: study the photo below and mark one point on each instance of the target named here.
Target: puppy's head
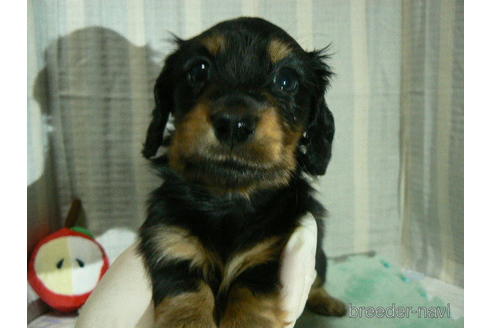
(248, 106)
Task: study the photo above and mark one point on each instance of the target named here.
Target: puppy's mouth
(230, 172)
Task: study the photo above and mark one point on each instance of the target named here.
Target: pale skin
(123, 297)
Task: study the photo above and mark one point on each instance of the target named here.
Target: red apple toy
(65, 267)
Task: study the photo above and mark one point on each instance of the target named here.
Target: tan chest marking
(262, 252)
(174, 243)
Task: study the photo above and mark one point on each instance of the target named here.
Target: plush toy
(65, 267)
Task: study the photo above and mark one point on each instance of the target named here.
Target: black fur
(225, 225)
(169, 93)
(229, 223)
(163, 97)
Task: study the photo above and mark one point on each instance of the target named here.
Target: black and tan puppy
(250, 119)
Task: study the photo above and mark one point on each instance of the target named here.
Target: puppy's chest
(222, 250)
(228, 237)
(230, 260)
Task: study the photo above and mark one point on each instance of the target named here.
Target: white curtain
(395, 183)
(432, 138)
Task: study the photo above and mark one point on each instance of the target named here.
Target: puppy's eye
(286, 80)
(198, 73)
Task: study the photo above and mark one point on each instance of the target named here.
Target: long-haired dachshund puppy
(250, 120)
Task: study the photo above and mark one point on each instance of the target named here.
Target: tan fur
(194, 309)
(262, 252)
(269, 135)
(273, 148)
(291, 141)
(278, 50)
(214, 43)
(187, 310)
(247, 310)
(277, 129)
(192, 134)
(175, 243)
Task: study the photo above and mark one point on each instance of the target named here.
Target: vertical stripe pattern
(432, 234)
(361, 92)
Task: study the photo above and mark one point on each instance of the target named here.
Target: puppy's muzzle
(234, 121)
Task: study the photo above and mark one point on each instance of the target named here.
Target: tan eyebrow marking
(215, 43)
(278, 50)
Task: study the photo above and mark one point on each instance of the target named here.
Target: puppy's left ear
(163, 97)
(318, 137)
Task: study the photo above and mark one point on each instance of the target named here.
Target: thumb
(297, 271)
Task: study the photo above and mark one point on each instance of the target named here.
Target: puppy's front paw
(247, 310)
(184, 319)
(186, 310)
(184, 316)
(321, 302)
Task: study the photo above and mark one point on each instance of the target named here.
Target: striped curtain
(396, 101)
(432, 138)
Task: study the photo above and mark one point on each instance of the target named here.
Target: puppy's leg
(178, 265)
(187, 309)
(247, 309)
(253, 300)
(320, 302)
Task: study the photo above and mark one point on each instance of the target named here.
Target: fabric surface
(432, 138)
(379, 295)
(92, 65)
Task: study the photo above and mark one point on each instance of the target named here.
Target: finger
(297, 271)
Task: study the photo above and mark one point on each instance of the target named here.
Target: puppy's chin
(225, 174)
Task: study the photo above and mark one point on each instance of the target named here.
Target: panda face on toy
(65, 268)
(69, 265)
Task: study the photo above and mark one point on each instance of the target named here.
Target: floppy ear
(317, 141)
(163, 97)
(318, 136)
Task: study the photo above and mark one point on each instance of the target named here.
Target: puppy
(250, 120)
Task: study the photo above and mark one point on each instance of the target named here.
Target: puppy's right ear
(164, 104)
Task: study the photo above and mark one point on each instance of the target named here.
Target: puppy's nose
(233, 128)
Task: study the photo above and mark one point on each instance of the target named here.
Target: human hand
(123, 297)
(297, 271)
